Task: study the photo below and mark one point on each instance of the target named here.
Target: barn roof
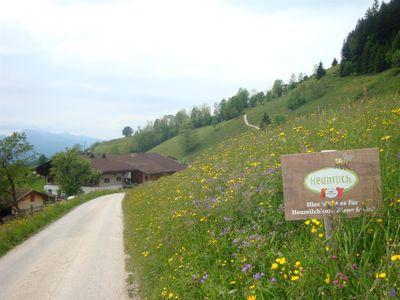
(21, 193)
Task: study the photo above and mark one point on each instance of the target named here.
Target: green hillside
(217, 230)
(335, 91)
(331, 90)
(121, 145)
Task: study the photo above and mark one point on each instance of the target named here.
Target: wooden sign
(316, 184)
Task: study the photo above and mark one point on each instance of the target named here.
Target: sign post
(317, 185)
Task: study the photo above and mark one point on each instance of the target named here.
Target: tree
(265, 121)
(277, 88)
(127, 131)
(16, 156)
(334, 62)
(396, 58)
(301, 77)
(320, 72)
(181, 118)
(42, 160)
(188, 137)
(71, 171)
(292, 82)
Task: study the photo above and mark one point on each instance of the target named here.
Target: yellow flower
(297, 264)
(395, 257)
(232, 282)
(281, 260)
(294, 278)
(251, 297)
(386, 138)
(327, 279)
(274, 266)
(315, 221)
(146, 253)
(307, 222)
(381, 275)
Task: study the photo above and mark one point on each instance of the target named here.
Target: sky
(92, 67)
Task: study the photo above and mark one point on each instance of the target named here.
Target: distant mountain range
(48, 143)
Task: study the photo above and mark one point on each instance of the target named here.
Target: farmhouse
(119, 170)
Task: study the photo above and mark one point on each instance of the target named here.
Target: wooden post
(328, 219)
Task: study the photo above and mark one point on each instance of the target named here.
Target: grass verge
(16, 231)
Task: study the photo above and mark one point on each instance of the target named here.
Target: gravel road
(80, 256)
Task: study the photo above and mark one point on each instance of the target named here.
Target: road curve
(80, 256)
(247, 123)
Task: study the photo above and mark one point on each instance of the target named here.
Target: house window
(32, 197)
(146, 178)
(106, 180)
(50, 179)
(119, 178)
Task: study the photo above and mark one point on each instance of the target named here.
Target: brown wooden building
(120, 170)
(29, 201)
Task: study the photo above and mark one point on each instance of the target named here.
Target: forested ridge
(374, 45)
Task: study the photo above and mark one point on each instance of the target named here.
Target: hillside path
(247, 123)
(80, 256)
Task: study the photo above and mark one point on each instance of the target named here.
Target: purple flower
(257, 276)
(204, 278)
(224, 231)
(270, 170)
(273, 280)
(334, 257)
(392, 293)
(246, 267)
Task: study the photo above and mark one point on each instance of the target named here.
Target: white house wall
(112, 180)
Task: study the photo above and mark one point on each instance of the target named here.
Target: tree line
(374, 45)
(184, 122)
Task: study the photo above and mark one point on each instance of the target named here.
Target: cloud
(101, 60)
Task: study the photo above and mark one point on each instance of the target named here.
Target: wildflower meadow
(217, 230)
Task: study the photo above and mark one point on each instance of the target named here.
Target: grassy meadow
(217, 230)
(35, 183)
(17, 230)
(333, 91)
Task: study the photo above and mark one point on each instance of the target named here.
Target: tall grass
(16, 231)
(217, 230)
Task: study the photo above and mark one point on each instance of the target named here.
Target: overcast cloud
(92, 67)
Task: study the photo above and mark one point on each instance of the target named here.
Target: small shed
(29, 201)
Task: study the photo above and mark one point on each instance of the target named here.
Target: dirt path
(79, 256)
(247, 123)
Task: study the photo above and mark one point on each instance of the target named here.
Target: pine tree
(265, 121)
(320, 72)
(334, 62)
